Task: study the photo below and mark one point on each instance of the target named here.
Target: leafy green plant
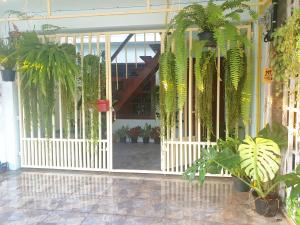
(91, 65)
(43, 68)
(167, 89)
(122, 132)
(155, 133)
(292, 183)
(284, 59)
(276, 132)
(146, 130)
(7, 58)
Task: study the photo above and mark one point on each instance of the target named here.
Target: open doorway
(134, 72)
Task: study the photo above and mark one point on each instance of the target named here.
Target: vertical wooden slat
(190, 95)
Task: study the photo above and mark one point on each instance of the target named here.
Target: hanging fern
(168, 89)
(204, 98)
(181, 68)
(43, 66)
(91, 91)
(235, 62)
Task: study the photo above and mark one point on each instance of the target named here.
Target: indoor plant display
(155, 134)
(7, 60)
(134, 133)
(146, 131)
(122, 134)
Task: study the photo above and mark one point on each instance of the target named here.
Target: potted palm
(7, 60)
(134, 133)
(122, 134)
(146, 131)
(155, 134)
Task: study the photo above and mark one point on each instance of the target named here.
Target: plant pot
(134, 140)
(240, 186)
(268, 206)
(157, 140)
(209, 37)
(8, 75)
(122, 139)
(145, 140)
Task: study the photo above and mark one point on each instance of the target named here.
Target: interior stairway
(132, 85)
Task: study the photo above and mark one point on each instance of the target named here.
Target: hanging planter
(207, 36)
(8, 75)
(103, 105)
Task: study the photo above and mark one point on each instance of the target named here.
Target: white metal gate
(73, 150)
(184, 141)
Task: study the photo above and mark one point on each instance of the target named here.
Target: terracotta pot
(8, 75)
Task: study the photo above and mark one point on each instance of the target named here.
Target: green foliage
(91, 65)
(236, 65)
(146, 130)
(44, 66)
(292, 183)
(122, 132)
(260, 158)
(284, 59)
(7, 57)
(167, 89)
(277, 133)
(204, 98)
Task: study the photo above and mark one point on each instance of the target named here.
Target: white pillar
(9, 132)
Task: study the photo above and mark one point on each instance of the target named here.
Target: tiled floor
(137, 156)
(73, 198)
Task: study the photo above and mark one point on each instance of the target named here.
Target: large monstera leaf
(260, 158)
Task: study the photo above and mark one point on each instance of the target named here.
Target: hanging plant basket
(103, 105)
(209, 37)
(8, 75)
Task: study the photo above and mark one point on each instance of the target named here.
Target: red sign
(103, 105)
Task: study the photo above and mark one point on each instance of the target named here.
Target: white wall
(9, 132)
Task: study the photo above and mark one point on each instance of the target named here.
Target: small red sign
(103, 105)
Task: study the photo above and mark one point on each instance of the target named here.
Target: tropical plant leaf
(276, 132)
(260, 158)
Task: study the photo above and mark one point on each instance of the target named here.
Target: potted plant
(259, 158)
(122, 134)
(292, 183)
(7, 60)
(134, 133)
(232, 144)
(155, 134)
(44, 68)
(146, 131)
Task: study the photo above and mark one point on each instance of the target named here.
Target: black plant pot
(122, 139)
(209, 37)
(268, 206)
(240, 186)
(145, 140)
(157, 140)
(134, 140)
(8, 75)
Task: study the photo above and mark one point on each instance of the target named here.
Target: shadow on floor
(136, 156)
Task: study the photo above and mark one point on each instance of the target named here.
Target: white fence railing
(64, 154)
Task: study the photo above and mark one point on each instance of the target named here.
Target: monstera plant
(256, 162)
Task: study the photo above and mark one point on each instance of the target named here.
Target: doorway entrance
(134, 75)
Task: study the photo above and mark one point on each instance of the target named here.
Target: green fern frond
(235, 63)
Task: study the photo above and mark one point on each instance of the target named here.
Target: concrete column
(9, 131)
